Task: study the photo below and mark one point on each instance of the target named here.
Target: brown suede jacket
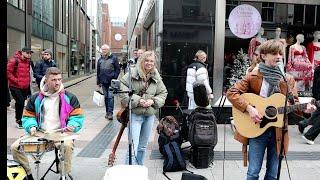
(252, 83)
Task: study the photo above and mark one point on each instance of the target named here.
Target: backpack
(202, 127)
(173, 158)
(168, 130)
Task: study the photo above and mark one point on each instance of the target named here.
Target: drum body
(15, 171)
(35, 145)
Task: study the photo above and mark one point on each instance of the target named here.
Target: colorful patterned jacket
(70, 112)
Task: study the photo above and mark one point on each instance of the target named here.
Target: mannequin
(254, 44)
(313, 49)
(299, 65)
(277, 37)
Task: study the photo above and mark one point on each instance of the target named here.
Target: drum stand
(37, 157)
(56, 161)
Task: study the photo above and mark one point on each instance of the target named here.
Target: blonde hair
(271, 47)
(199, 52)
(142, 59)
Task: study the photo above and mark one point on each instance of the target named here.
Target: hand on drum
(70, 128)
(33, 131)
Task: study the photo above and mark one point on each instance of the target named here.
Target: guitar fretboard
(296, 107)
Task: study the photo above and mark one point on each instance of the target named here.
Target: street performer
(264, 81)
(50, 109)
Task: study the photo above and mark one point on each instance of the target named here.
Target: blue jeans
(141, 130)
(108, 98)
(257, 147)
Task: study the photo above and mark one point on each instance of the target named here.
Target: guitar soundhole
(271, 112)
(270, 116)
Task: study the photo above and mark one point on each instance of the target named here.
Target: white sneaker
(308, 141)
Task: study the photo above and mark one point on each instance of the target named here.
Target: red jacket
(21, 77)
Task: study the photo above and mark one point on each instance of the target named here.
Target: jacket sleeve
(161, 94)
(29, 117)
(76, 116)
(10, 69)
(202, 76)
(116, 68)
(233, 94)
(37, 70)
(98, 72)
(124, 96)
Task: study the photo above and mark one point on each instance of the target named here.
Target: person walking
(18, 73)
(48, 110)
(42, 65)
(108, 68)
(314, 131)
(149, 94)
(264, 81)
(197, 72)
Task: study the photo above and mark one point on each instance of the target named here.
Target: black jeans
(19, 95)
(314, 131)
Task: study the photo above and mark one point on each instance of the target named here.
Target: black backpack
(202, 127)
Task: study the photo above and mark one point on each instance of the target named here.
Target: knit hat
(49, 51)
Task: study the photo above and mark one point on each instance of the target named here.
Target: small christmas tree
(240, 66)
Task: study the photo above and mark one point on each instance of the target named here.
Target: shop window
(230, 5)
(318, 16)
(267, 12)
(310, 14)
(298, 14)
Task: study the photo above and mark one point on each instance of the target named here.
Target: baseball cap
(26, 49)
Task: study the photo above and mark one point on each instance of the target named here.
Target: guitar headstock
(111, 159)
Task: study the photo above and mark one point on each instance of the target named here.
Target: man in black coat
(314, 131)
(42, 65)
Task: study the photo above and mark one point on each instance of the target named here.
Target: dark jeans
(108, 98)
(314, 131)
(257, 147)
(19, 95)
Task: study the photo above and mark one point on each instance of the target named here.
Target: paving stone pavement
(85, 167)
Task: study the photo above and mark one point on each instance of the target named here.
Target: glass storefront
(15, 41)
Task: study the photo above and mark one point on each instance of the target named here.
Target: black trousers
(19, 95)
(314, 131)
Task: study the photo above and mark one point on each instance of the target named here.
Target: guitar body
(266, 107)
(112, 155)
(123, 116)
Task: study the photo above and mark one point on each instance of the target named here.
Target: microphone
(281, 68)
(131, 61)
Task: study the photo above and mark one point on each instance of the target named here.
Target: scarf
(272, 75)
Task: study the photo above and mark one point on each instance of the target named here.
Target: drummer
(54, 108)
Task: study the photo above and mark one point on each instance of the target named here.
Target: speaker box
(201, 156)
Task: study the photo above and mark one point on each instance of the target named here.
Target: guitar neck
(296, 107)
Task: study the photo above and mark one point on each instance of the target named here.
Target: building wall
(60, 25)
(106, 25)
(117, 45)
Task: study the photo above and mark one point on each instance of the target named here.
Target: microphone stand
(130, 93)
(284, 130)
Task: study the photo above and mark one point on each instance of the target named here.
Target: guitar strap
(144, 89)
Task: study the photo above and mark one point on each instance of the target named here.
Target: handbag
(98, 98)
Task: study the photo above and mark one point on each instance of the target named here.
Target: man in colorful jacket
(51, 109)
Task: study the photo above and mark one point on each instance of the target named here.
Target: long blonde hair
(142, 59)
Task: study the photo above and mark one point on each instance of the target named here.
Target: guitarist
(149, 95)
(263, 81)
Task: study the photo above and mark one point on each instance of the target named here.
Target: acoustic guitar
(272, 109)
(123, 118)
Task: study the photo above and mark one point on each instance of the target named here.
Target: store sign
(244, 21)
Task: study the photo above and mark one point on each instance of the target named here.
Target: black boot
(301, 126)
(30, 177)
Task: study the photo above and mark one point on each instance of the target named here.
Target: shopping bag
(98, 98)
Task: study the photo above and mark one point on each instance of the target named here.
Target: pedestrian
(43, 64)
(149, 94)
(138, 54)
(18, 73)
(48, 110)
(314, 131)
(9, 108)
(197, 72)
(135, 55)
(264, 81)
(107, 69)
